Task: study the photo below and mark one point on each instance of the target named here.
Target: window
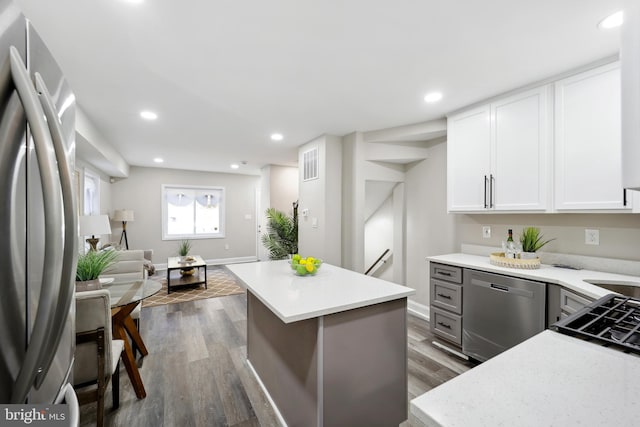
(192, 212)
(91, 193)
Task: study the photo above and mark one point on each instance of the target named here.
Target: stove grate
(613, 320)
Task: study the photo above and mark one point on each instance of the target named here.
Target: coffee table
(178, 263)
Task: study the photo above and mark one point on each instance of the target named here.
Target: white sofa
(129, 267)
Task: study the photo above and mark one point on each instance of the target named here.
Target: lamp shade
(122, 215)
(94, 225)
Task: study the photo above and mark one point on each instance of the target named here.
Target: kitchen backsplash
(610, 265)
(619, 233)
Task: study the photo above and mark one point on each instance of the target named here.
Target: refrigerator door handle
(65, 296)
(52, 204)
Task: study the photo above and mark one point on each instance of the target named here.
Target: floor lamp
(124, 215)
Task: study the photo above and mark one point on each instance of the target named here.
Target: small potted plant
(183, 251)
(531, 241)
(91, 265)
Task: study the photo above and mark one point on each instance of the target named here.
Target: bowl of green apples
(305, 266)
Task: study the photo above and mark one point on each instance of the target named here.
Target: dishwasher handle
(502, 288)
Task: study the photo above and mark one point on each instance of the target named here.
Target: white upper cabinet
(630, 57)
(469, 160)
(498, 155)
(588, 159)
(521, 136)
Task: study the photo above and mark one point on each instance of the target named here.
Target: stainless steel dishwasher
(499, 312)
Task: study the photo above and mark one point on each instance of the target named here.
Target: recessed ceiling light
(612, 21)
(277, 136)
(433, 97)
(148, 115)
(235, 166)
(134, 1)
(158, 160)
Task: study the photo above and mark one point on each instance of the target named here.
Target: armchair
(97, 355)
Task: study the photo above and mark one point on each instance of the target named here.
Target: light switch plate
(591, 237)
(314, 222)
(486, 232)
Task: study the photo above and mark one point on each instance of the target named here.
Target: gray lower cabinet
(561, 302)
(446, 302)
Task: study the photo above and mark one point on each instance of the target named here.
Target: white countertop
(549, 380)
(571, 279)
(331, 290)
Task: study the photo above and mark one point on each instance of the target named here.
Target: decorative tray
(498, 258)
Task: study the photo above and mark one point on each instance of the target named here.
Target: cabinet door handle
(624, 197)
(444, 325)
(485, 192)
(444, 296)
(491, 181)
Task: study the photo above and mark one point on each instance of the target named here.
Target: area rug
(219, 283)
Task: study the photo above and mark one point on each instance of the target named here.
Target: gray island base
(344, 363)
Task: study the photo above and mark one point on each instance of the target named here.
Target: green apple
(301, 270)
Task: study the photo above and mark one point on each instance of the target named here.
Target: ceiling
(222, 75)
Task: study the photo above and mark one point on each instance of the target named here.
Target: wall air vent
(310, 164)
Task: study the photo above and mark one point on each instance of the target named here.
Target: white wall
(283, 188)
(378, 236)
(353, 202)
(142, 192)
(323, 199)
(278, 189)
(429, 229)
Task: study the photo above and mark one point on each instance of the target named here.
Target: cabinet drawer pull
(492, 180)
(444, 273)
(485, 192)
(444, 325)
(444, 296)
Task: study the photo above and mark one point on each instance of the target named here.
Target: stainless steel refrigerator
(38, 218)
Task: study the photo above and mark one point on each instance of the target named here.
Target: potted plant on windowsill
(91, 265)
(183, 251)
(532, 241)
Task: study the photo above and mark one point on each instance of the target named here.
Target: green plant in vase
(532, 241)
(183, 251)
(93, 263)
(184, 248)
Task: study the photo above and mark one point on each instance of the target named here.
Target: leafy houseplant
(281, 238)
(92, 264)
(532, 241)
(184, 248)
(183, 251)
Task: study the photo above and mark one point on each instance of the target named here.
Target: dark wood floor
(196, 372)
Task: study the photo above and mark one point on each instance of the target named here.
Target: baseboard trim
(218, 261)
(418, 310)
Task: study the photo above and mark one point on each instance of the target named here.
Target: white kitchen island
(329, 349)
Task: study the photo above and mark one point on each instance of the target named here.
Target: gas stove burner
(619, 336)
(611, 321)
